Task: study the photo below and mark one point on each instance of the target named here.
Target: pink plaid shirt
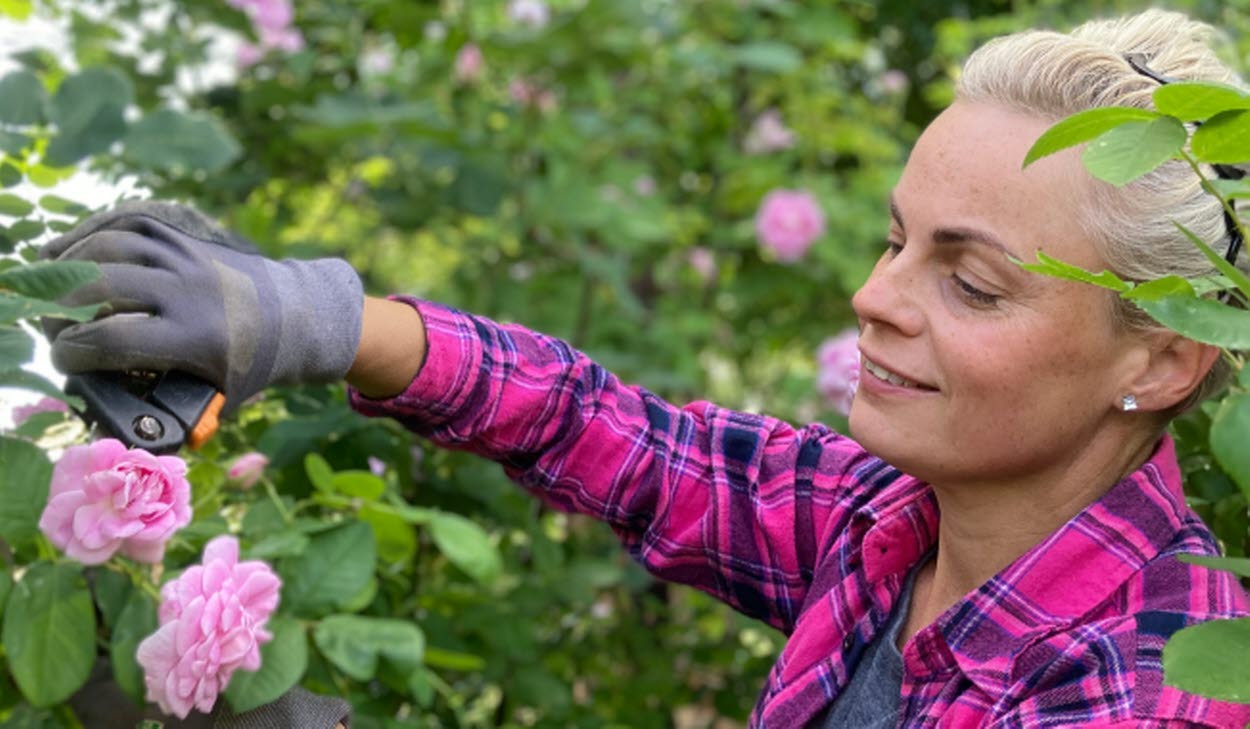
(805, 530)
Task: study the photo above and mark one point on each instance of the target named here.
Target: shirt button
(848, 642)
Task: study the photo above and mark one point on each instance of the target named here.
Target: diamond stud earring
(1128, 403)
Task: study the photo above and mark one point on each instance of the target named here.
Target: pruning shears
(158, 412)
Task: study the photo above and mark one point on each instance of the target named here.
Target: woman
(997, 544)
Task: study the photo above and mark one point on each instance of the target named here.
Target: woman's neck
(984, 527)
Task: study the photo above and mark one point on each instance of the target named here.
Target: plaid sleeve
(735, 504)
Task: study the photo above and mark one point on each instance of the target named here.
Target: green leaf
(16, 9)
(356, 643)
(1202, 320)
(1237, 565)
(1224, 139)
(25, 473)
(1054, 267)
(1198, 100)
(35, 382)
(1229, 429)
(283, 661)
(467, 545)
(336, 566)
(6, 586)
(14, 206)
(9, 175)
(453, 660)
(282, 544)
(1233, 273)
(49, 280)
(14, 143)
(1209, 659)
(1232, 189)
(319, 472)
(1133, 149)
(14, 308)
(136, 622)
(396, 539)
(169, 140)
(1082, 127)
(49, 633)
(16, 348)
(61, 206)
(1154, 290)
(24, 230)
(360, 484)
(89, 111)
(768, 56)
(24, 98)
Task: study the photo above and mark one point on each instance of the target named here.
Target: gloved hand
(179, 293)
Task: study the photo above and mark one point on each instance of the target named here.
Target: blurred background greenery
(592, 172)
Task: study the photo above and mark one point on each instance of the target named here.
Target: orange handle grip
(208, 422)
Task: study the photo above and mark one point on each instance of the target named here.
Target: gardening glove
(179, 293)
(296, 709)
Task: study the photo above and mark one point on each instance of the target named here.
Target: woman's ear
(1175, 367)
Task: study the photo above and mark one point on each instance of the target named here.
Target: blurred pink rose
(704, 262)
(212, 622)
(247, 469)
(533, 13)
(645, 186)
(22, 413)
(788, 222)
(249, 54)
(527, 93)
(377, 466)
(105, 498)
(272, 21)
(838, 360)
(894, 81)
(768, 134)
(469, 64)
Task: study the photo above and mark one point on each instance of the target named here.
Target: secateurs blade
(153, 411)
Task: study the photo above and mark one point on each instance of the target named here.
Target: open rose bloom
(105, 498)
(788, 223)
(212, 623)
(839, 369)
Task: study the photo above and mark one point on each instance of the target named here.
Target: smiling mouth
(893, 378)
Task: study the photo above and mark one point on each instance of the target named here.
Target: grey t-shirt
(870, 700)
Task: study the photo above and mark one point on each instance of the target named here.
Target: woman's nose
(891, 297)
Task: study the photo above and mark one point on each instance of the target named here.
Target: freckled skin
(1027, 386)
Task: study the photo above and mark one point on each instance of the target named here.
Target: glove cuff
(322, 303)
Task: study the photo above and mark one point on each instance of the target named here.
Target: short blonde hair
(1053, 75)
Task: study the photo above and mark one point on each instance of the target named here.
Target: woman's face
(1007, 373)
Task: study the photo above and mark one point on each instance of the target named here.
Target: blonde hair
(1053, 75)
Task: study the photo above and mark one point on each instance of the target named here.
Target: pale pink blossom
(788, 222)
(528, 93)
(838, 360)
(533, 13)
(105, 498)
(469, 64)
(768, 134)
(645, 186)
(22, 413)
(377, 466)
(704, 262)
(894, 81)
(287, 40)
(212, 623)
(249, 54)
(247, 469)
(272, 20)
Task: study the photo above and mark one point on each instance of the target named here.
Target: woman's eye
(974, 294)
(892, 248)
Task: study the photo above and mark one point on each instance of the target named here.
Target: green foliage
(356, 644)
(1198, 101)
(49, 633)
(136, 621)
(1209, 659)
(24, 475)
(1084, 127)
(89, 112)
(1134, 148)
(167, 140)
(283, 662)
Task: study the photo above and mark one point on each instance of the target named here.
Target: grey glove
(296, 709)
(179, 293)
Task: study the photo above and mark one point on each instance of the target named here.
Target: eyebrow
(957, 234)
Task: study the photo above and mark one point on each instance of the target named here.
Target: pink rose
(704, 262)
(469, 64)
(768, 134)
(838, 359)
(22, 413)
(788, 222)
(249, 54)
(212, 622)
(105, 498)
(247, 469)
(645, 186)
